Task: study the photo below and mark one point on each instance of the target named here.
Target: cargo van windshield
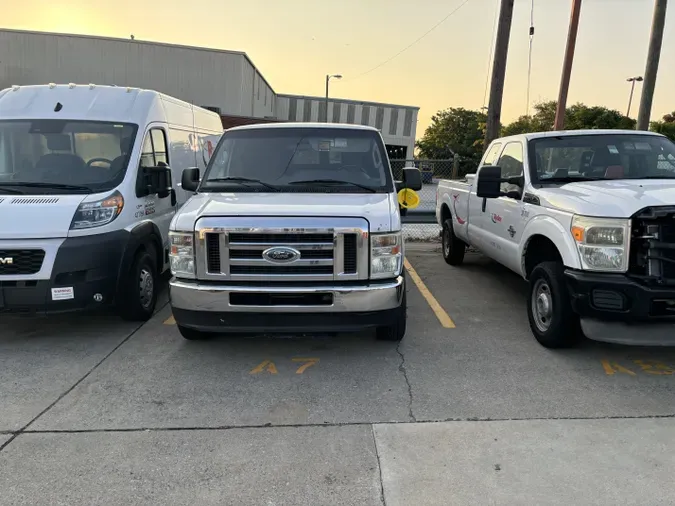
(316, 160)
(54, 156)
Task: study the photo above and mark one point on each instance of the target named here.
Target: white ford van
(89, 183)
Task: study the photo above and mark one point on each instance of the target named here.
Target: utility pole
(567, 66)
(652, 67)
(494, 113)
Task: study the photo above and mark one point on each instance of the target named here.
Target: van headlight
(602, 243)
(182, 254)
(99, 213)
(386, 255)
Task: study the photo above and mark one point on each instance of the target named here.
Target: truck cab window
(492, 154)
(511, 163)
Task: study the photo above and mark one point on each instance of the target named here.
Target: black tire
(193, 334)
(549, 309)
(396, 330)
(137, 296)
(453, 248)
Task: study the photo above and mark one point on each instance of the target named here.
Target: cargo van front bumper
(215, 307)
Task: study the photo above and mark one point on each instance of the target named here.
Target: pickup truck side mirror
(190, 179)
(412, 179)
(489, 182)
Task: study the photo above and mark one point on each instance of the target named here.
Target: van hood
(374, 207)
(617, 198)
(37, 216)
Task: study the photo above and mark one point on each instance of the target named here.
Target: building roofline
(348, 101)
(147, 42)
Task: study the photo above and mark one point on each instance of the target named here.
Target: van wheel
(396, 330)
(137, 296)
(453, 248)
(193, 334)
(552, 320)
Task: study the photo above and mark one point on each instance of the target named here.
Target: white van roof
(98, 103)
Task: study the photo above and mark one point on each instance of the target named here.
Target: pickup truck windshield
(57, 156)
(318, 160)
(600, 157)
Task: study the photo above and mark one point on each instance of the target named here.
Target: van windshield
(53, 155)
(318, 160)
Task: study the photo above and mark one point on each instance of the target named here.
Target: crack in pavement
(403, 370)
(23, 429)
(379, 466)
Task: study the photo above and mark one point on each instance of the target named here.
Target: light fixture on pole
(328, 78)
(632, 81)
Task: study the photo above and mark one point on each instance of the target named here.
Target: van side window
(159, 145)
(147, 155)
(153, 154)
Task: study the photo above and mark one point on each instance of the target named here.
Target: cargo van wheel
(453, 248)
(137, 295)
(552, 320)
(396, 330)
(193, 334)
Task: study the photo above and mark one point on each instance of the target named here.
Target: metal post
(326, 102)
(632, 80)
(652, 66)
(498, 72)
(567, 66)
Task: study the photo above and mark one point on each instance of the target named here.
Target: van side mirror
(489, 182)
(190, 179)
(157, 180)
(412, 179)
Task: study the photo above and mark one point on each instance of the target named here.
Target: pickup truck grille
(318, 254)
(652, 246)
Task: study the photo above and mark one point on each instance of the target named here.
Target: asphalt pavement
(467, 409)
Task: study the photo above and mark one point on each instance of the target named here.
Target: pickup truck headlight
(386, 255)
(602, 243)
(99, 213)
(182, 254)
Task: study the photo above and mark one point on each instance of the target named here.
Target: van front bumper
(213, 307)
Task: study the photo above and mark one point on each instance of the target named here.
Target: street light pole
(632, 81)
(328, 78)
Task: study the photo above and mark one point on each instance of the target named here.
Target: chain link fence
(419, 224)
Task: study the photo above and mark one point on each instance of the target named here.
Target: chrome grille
(324, 249)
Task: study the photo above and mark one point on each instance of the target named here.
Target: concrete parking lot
(467, 409)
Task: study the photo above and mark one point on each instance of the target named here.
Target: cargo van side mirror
(412, 179)
(156, 180)
(489, 182)
(190, 179)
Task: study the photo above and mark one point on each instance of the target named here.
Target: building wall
(398, 124)
(223, 79)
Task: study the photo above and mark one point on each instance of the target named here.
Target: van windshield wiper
(10, 190)
(241, 180)
(332, 182)
(56, 186)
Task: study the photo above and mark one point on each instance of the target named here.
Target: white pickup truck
(588, 218)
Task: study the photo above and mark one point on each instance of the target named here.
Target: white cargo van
(89, 183)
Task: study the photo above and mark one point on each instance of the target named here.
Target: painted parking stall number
(642, 366)
(269, 367)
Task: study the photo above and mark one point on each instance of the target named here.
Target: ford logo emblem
(281, 255)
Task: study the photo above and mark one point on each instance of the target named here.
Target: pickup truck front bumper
(215, 307)
(615, 308)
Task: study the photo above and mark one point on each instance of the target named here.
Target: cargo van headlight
(602, 243)
(182, 254)
(386, 255)
(99, 213)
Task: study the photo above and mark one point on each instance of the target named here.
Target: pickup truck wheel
(137, 296)
(193, 334)
(396, 330)
(552, 320)
(453, 248)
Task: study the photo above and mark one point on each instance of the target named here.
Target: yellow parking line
(170, 321)
(440, 313)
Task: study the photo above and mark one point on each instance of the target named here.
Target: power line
(412, 43)
(492, 47)
(529, 60)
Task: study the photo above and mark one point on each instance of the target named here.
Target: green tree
(666, 126)
(454, 131)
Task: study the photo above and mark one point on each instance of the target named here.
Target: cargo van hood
(37, 216)
(617, 198)
(374, 207)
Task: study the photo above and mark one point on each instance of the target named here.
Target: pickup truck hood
(37, 216)
(619, 198)
(374, 207)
